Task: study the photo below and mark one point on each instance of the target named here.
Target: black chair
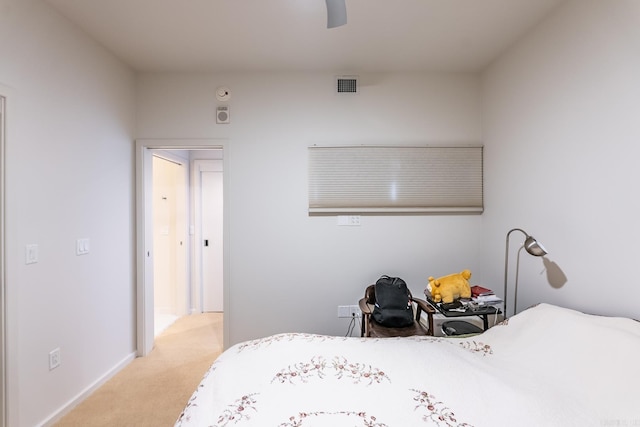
(371, 328)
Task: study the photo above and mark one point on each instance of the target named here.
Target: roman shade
(395, 179)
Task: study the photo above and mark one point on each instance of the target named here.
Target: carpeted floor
(152, 391)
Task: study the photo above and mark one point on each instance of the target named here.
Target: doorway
(146, 251)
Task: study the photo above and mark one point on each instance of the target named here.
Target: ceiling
(292, 35)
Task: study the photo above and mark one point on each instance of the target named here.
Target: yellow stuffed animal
(451, 287)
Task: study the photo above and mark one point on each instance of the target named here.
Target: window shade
(395, 179)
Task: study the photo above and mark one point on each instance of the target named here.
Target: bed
(546, 366)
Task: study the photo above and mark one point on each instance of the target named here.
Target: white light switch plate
(82, 246)
(31, 254)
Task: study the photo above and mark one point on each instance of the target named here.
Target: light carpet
(153, 390)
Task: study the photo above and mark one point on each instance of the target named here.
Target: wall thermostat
(222, 115)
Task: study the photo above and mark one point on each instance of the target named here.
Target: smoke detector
(223, 93)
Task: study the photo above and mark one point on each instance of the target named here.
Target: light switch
(82, 246)
(31, 254)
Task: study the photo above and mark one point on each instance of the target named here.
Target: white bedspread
(547, 366)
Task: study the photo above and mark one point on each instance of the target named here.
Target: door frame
(4, 386)
(9, 358)
(144, 234)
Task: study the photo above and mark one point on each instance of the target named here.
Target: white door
(212, 231)
(169, 240)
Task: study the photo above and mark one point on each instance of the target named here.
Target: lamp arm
(515, 287)
(506, 266)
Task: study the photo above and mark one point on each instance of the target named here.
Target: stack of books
(484, 296)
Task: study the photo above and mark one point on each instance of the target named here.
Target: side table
(483, 312)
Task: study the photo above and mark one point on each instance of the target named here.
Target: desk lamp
(532, 246)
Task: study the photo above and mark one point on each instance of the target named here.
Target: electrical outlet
(54, 359)
(354, 311)
(349, 311)
(350, 220)
(354, 220)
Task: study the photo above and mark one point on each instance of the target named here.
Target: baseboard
(66, 408)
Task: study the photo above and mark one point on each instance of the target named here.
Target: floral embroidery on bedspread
(367, 420)
(317, 367)
(257, 343)
(359, 372)
(302, 371)
(432, 411)
(237, 411)
(505, 322)
(473, 346)
(437, 411)
(477, 347)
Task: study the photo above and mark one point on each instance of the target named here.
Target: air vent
(347, 84)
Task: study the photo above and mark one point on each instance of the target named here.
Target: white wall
(69, 175)
(289, 271)
(561, 132)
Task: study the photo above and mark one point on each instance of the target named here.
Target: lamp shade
(534, 247)
(336, 13)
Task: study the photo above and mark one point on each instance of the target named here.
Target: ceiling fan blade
(336, 13)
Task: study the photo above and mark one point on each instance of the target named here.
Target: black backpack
(393, 303)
